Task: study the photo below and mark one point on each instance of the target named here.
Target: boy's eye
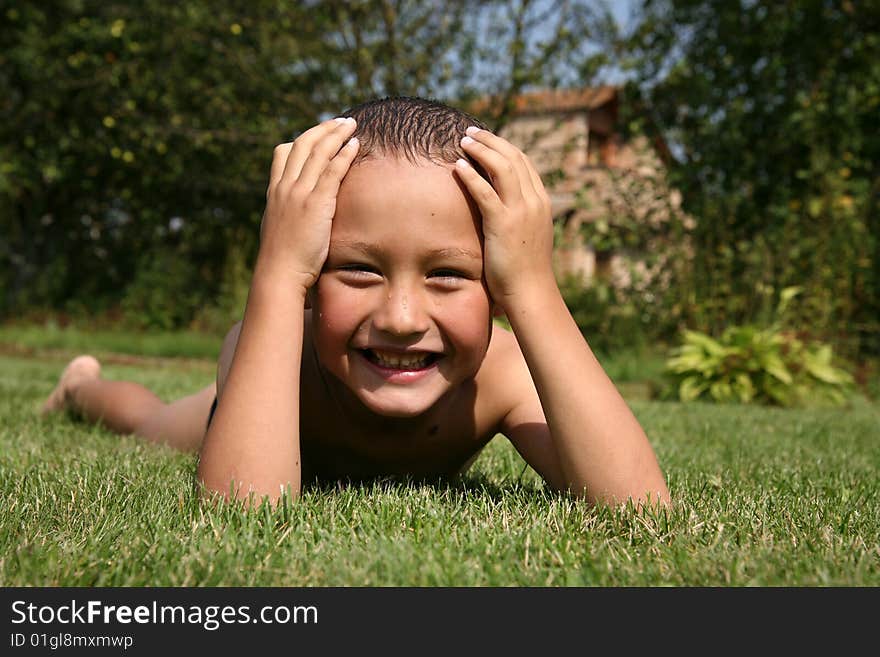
(359, 270)
(447, 276)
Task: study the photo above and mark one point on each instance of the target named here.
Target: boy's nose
(401, 313)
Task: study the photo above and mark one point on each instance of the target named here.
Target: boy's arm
(591, 443)
(252, 445)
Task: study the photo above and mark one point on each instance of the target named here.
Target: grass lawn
(764, 497)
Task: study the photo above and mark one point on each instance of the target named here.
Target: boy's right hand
(301, 201)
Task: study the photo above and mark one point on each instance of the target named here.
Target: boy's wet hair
(412, 128)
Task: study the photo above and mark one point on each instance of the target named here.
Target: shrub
(162, 294)
(228, 305)
(608, 319)
(750, 364)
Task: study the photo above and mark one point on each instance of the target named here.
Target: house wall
(591, 174)
(559, 145)
(553, 141)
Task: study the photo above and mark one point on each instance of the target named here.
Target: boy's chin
(396, 406)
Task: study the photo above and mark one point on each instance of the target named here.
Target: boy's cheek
(331, 310)
(469, 325)
(322, 297)
(336, 316)
(332, 334)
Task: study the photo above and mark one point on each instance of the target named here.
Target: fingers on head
(503, 161)
(314, 134)
(279, 160)
(333, 174)
(501, 170)
(325, 149)
(478, 187)
(290, 158)
(528, 176)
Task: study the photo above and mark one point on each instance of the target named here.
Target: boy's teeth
(399, 360)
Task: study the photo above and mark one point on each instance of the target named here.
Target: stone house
(590, 172)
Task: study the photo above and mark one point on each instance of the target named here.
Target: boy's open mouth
(417, 360)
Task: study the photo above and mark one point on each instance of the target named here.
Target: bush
(227, 307)
(162, 294)
(749, 364)
(608, 319)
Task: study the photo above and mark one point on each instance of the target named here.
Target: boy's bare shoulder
(503, 347)
(510, 393)
(504, 375)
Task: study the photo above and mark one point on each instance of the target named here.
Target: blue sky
(621, 9)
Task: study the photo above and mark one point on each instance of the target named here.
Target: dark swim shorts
(211, 412)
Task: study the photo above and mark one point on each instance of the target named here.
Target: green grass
(50, 337)
(764, 497)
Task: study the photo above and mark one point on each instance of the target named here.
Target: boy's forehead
(393, 167)
(395, 183)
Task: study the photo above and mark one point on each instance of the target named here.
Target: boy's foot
(78, 370)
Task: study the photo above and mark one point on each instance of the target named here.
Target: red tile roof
(556, 100)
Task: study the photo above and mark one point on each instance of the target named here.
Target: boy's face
(401, 313)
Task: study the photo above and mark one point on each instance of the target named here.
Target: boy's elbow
(653, 498)
(218, 489)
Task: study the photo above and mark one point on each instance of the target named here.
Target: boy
(367, 348)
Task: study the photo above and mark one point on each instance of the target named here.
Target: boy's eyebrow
(375, 249)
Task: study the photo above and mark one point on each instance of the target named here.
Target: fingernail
(462, 164)
(472, 130)
(340, 119)
(466, 140)
(352, 142)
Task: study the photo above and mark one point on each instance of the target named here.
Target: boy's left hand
(517, 221)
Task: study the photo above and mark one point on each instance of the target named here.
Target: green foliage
(749, 364)
(229, 304)
(767, 112)
(122, 120)
(608, 320)
(147, 127)
(161, 294)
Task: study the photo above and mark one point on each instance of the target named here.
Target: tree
(769, 111)
(136, 138)
(134, 129)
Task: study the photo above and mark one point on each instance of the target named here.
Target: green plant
(751, 364)
(608, 319)
(812, 188)
(161, 296)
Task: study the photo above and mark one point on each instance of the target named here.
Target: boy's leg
(180, 424)
(130, 408)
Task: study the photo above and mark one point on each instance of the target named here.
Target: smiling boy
(367, 346)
